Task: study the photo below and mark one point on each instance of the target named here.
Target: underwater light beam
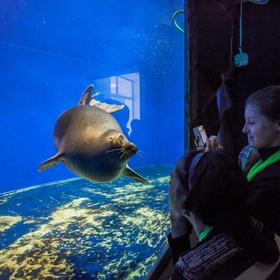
(35, 50)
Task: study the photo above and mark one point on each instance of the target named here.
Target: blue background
(51, 50)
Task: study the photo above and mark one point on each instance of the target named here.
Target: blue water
(51, 51)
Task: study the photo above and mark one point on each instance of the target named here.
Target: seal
(90, 142)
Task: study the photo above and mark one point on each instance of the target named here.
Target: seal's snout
(123, 146)
(132, 148)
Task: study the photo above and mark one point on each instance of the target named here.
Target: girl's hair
(219, 190)
(217, 195)
(267, 100)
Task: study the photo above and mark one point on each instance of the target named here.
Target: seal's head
(122, 146)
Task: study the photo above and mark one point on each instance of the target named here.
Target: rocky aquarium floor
(76, 229)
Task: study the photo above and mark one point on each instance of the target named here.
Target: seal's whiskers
(139, 159)
(140, 155)
(114, 150)
(123, 154)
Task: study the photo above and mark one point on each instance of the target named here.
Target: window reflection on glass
(125, 89)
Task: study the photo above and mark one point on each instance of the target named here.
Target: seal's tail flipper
(131, 173)
(86, 96)
(88, 99)
(109, 108)
(50, 162)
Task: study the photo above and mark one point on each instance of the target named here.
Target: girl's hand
(213, 144)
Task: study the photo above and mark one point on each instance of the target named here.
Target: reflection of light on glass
(113, 84)
(125, 89)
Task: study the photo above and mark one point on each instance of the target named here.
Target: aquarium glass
(55, 224)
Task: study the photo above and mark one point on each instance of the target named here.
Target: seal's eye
(120, 139)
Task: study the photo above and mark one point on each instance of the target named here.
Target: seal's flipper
(50, 162)
(131, 173)
(109, 108)
(88, 99)
(86, 96)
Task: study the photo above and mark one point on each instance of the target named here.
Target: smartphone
(200, 136)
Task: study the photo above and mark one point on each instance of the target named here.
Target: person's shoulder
(270, 174)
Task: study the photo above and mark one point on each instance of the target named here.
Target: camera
(241, 59)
